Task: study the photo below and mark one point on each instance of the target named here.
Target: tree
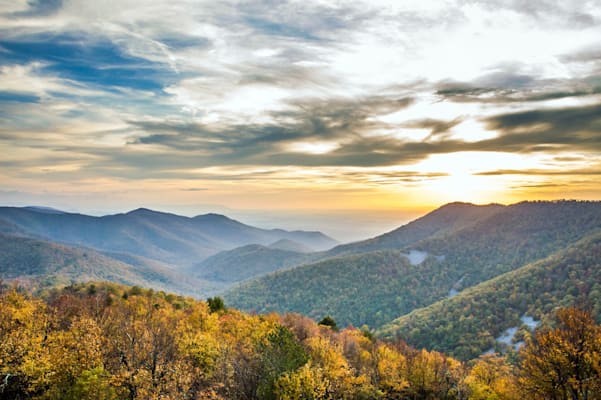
(216, 304)
(490, 378)
(280, 354)
(329, 321)
(564, 362)
(306, 383)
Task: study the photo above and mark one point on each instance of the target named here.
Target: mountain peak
(140, 210)
(44, 210)
(213, 217)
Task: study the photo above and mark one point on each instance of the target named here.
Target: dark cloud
(176, 145)
(568, 159)
(537, 186)
(334, 120)
(548, 130)
(531, 172)
(589, 54)
(518, 90)
(437, 127)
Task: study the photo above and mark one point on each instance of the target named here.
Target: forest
(378, 286)
(108, 341)
(466, 325)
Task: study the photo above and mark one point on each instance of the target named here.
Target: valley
(463, 279)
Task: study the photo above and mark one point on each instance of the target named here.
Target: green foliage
(281, 353)
(93, 384)
(216, 304)
(247, 262)
(376, 287)
(329, 321)
(467, 324)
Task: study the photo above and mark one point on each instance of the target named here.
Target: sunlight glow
(312, 147)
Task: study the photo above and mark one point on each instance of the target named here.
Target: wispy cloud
(290, 91)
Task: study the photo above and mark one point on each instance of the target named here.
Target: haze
(347, 117)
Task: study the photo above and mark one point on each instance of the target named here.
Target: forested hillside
(39, 263)
(373, 288)
(370, 289)
(246, 262)
(101, 341)
(468, 324)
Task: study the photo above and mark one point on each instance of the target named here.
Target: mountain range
(464, 279)
(150, 248)
(176, 240)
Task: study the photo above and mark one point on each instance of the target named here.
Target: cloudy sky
(367, 112)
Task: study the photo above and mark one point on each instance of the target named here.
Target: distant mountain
(246, 262)
(442, 221)
(453, 253)
(258, 260)
(42, 209)
(290, 245)
(469, 324)
(176, 240)
(48, 264)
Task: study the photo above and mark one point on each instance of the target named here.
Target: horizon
(350, 119)
(290, 222)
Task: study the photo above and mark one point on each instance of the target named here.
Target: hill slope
(172, 239)
(52, 264)
(246, 262)
(252, 261)
(376, 287)
(444, 220)
(467, 325)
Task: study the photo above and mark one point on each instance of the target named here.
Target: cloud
(436, 127)
(547, 12)
(39, 8)
(504, 88)
(573, 128)
(266, 90)
(345, 121)
(541, 172)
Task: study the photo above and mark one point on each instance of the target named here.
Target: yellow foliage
(308, 383)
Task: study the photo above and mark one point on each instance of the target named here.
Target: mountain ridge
(467, 324)
(504, 239)
(169, 238)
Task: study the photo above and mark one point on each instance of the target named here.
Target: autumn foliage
(105, 341)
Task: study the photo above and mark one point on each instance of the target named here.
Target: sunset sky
(350, 116)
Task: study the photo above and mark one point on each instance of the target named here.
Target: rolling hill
(375, 287)
(246, 262)
(43, 263)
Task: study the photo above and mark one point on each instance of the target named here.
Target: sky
(350, 117)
